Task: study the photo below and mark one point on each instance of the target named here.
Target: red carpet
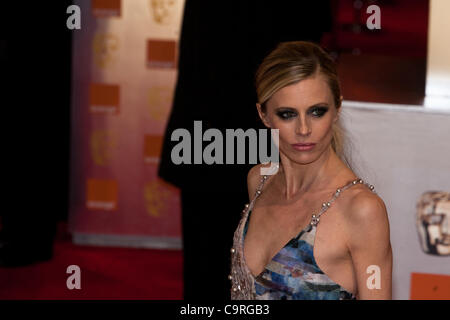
(106, 273)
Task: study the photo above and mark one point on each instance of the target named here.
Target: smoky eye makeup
(316, 111)
(286, 113)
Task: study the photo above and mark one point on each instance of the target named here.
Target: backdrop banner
(404, 152)
(124, 75)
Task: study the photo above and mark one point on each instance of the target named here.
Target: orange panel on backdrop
(101, 194)
(161, 54)
(108, 8)
(104, 98)
(427, 286)
(152, 147)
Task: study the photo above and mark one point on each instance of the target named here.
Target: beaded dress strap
(316, 217)
(258, 191)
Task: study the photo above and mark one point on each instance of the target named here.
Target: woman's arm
(254, 179)
(370, 247)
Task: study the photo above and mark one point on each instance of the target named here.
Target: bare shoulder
(365, 204)
(254, 178)
(366, 213)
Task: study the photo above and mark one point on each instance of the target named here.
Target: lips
(303, 146)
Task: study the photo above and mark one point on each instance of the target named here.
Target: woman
(314, 229)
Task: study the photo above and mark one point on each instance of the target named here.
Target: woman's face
(304, 114)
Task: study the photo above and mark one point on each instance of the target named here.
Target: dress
(293, 273)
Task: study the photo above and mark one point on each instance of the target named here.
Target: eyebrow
(320, 104)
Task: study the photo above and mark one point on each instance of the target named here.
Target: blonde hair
(291, 62)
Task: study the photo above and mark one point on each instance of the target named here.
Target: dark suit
(35, 66)
(221, 45)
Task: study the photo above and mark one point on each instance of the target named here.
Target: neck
(300, 178)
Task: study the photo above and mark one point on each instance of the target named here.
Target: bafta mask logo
(105, 48)
(159, 101)
(433, 222)
(157, 195)
(102, 145)
(162, 11)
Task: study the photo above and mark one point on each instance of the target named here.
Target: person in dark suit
(221, 45)
(35, 71)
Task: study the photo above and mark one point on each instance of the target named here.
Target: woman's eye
(319, 112)
(286, 114)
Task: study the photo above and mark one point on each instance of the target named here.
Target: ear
(262, 115)
(339, 109)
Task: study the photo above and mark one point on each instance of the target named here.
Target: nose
(303, 127)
